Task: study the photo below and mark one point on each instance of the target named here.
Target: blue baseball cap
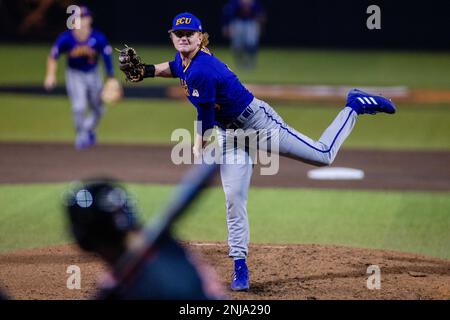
(186, 21)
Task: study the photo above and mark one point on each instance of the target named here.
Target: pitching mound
(277, 272)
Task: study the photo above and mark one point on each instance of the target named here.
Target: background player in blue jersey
(221, 100)
(83, 79)
(242, 23)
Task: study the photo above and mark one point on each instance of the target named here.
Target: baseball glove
(112, 91)
(130, 64)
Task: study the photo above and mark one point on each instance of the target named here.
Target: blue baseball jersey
(83, 55)
(212, 88)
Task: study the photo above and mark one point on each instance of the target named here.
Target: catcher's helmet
(100, 213)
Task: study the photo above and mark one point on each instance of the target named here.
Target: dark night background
(322, 23)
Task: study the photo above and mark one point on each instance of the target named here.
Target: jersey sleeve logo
(195, 93)
(107, 50)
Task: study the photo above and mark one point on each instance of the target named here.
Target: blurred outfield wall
(405, 24)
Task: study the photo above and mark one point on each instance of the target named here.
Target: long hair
(205, 40)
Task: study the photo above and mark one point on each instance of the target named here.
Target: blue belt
(241, 119)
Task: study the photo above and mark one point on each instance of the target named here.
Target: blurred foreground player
(103, 221)
(3, 296)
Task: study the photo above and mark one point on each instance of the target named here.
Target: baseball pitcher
(222, 101)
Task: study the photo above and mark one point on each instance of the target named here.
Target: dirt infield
(384, 170)
(277, 272)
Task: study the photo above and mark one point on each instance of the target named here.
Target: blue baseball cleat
(92, 138)
(84, 141)
(366, 103)
(81, 142)
(240, 277)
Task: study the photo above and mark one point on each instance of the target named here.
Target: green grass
(24, 64)
(32, 118)
(418, 222)
(37, 118)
